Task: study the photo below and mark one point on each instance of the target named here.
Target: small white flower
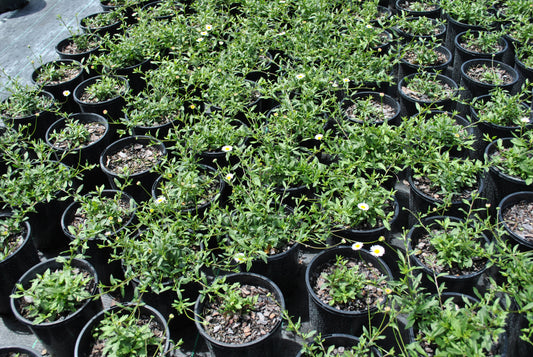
(525, 120)
(319, 137)
(357, 246)
(377, 250)
(363, 206)
(200, 39)
(203, 33)
(239, 258)
(229, 177)
(334, 84)
(208, 27)
(300, 75)
(227, 148)
(346, 80)
(368, 26)
(160, 200)
(66, 93)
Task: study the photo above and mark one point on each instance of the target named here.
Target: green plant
(102, 19)
(124, 333)
(475, 12)
(105, 88)
(516, 159)
(420, 5)
(456, 328)
(187, 185)
(430, 131)
(447, 176)
(346, 282)
(82, 41)
(455, 244)
(57, 72)
(501, 108)
(369, 109)
(74, 135)
(350, 201)
(30, 182)
(100, 215)
(54, 293)
(24, 100)
(423, 53)
(261, 225)
(481, 41)
(12, 234)
(525, 54)
(418, 26)
(230, 296)
(427, 87)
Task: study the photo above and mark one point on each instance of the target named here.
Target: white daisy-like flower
(199, 39)
(357, 246)
(346, 80)
(208, 27)
(525, 120)
(335, 84)
(66, 93)
(204, 33)
(363, 206)
(368, 26)
(377, 250)
(300, 75)
(160, 200)
(239, 258)
(319, 136)
(229, 177)
(227, 148)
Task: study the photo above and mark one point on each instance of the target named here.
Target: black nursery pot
(59, 337)
(80, 56)
(223, 192)
(46, 222)
(86, 340)
(408, 103)
(327, 319)
(265, 346)
(455, 27)
(459, 120)
(431, 13)
(511, 235)
(499, 184)
(476, 88)
(59, 90)
(368, 235)
(9, 351)
(280, 268)
(453, 283)
(483, 128)
(409, 37)
(111, 108)
(421, 202)
(16, 264)
(89, 154)
(523, 71)
(97, 255)
(461, 54)
(134, 74)
(406, 68)
(385, 99)
(110, 29)
(36, 124)
(343, 340)
(141, 181)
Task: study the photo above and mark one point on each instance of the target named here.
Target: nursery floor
(31, 33)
